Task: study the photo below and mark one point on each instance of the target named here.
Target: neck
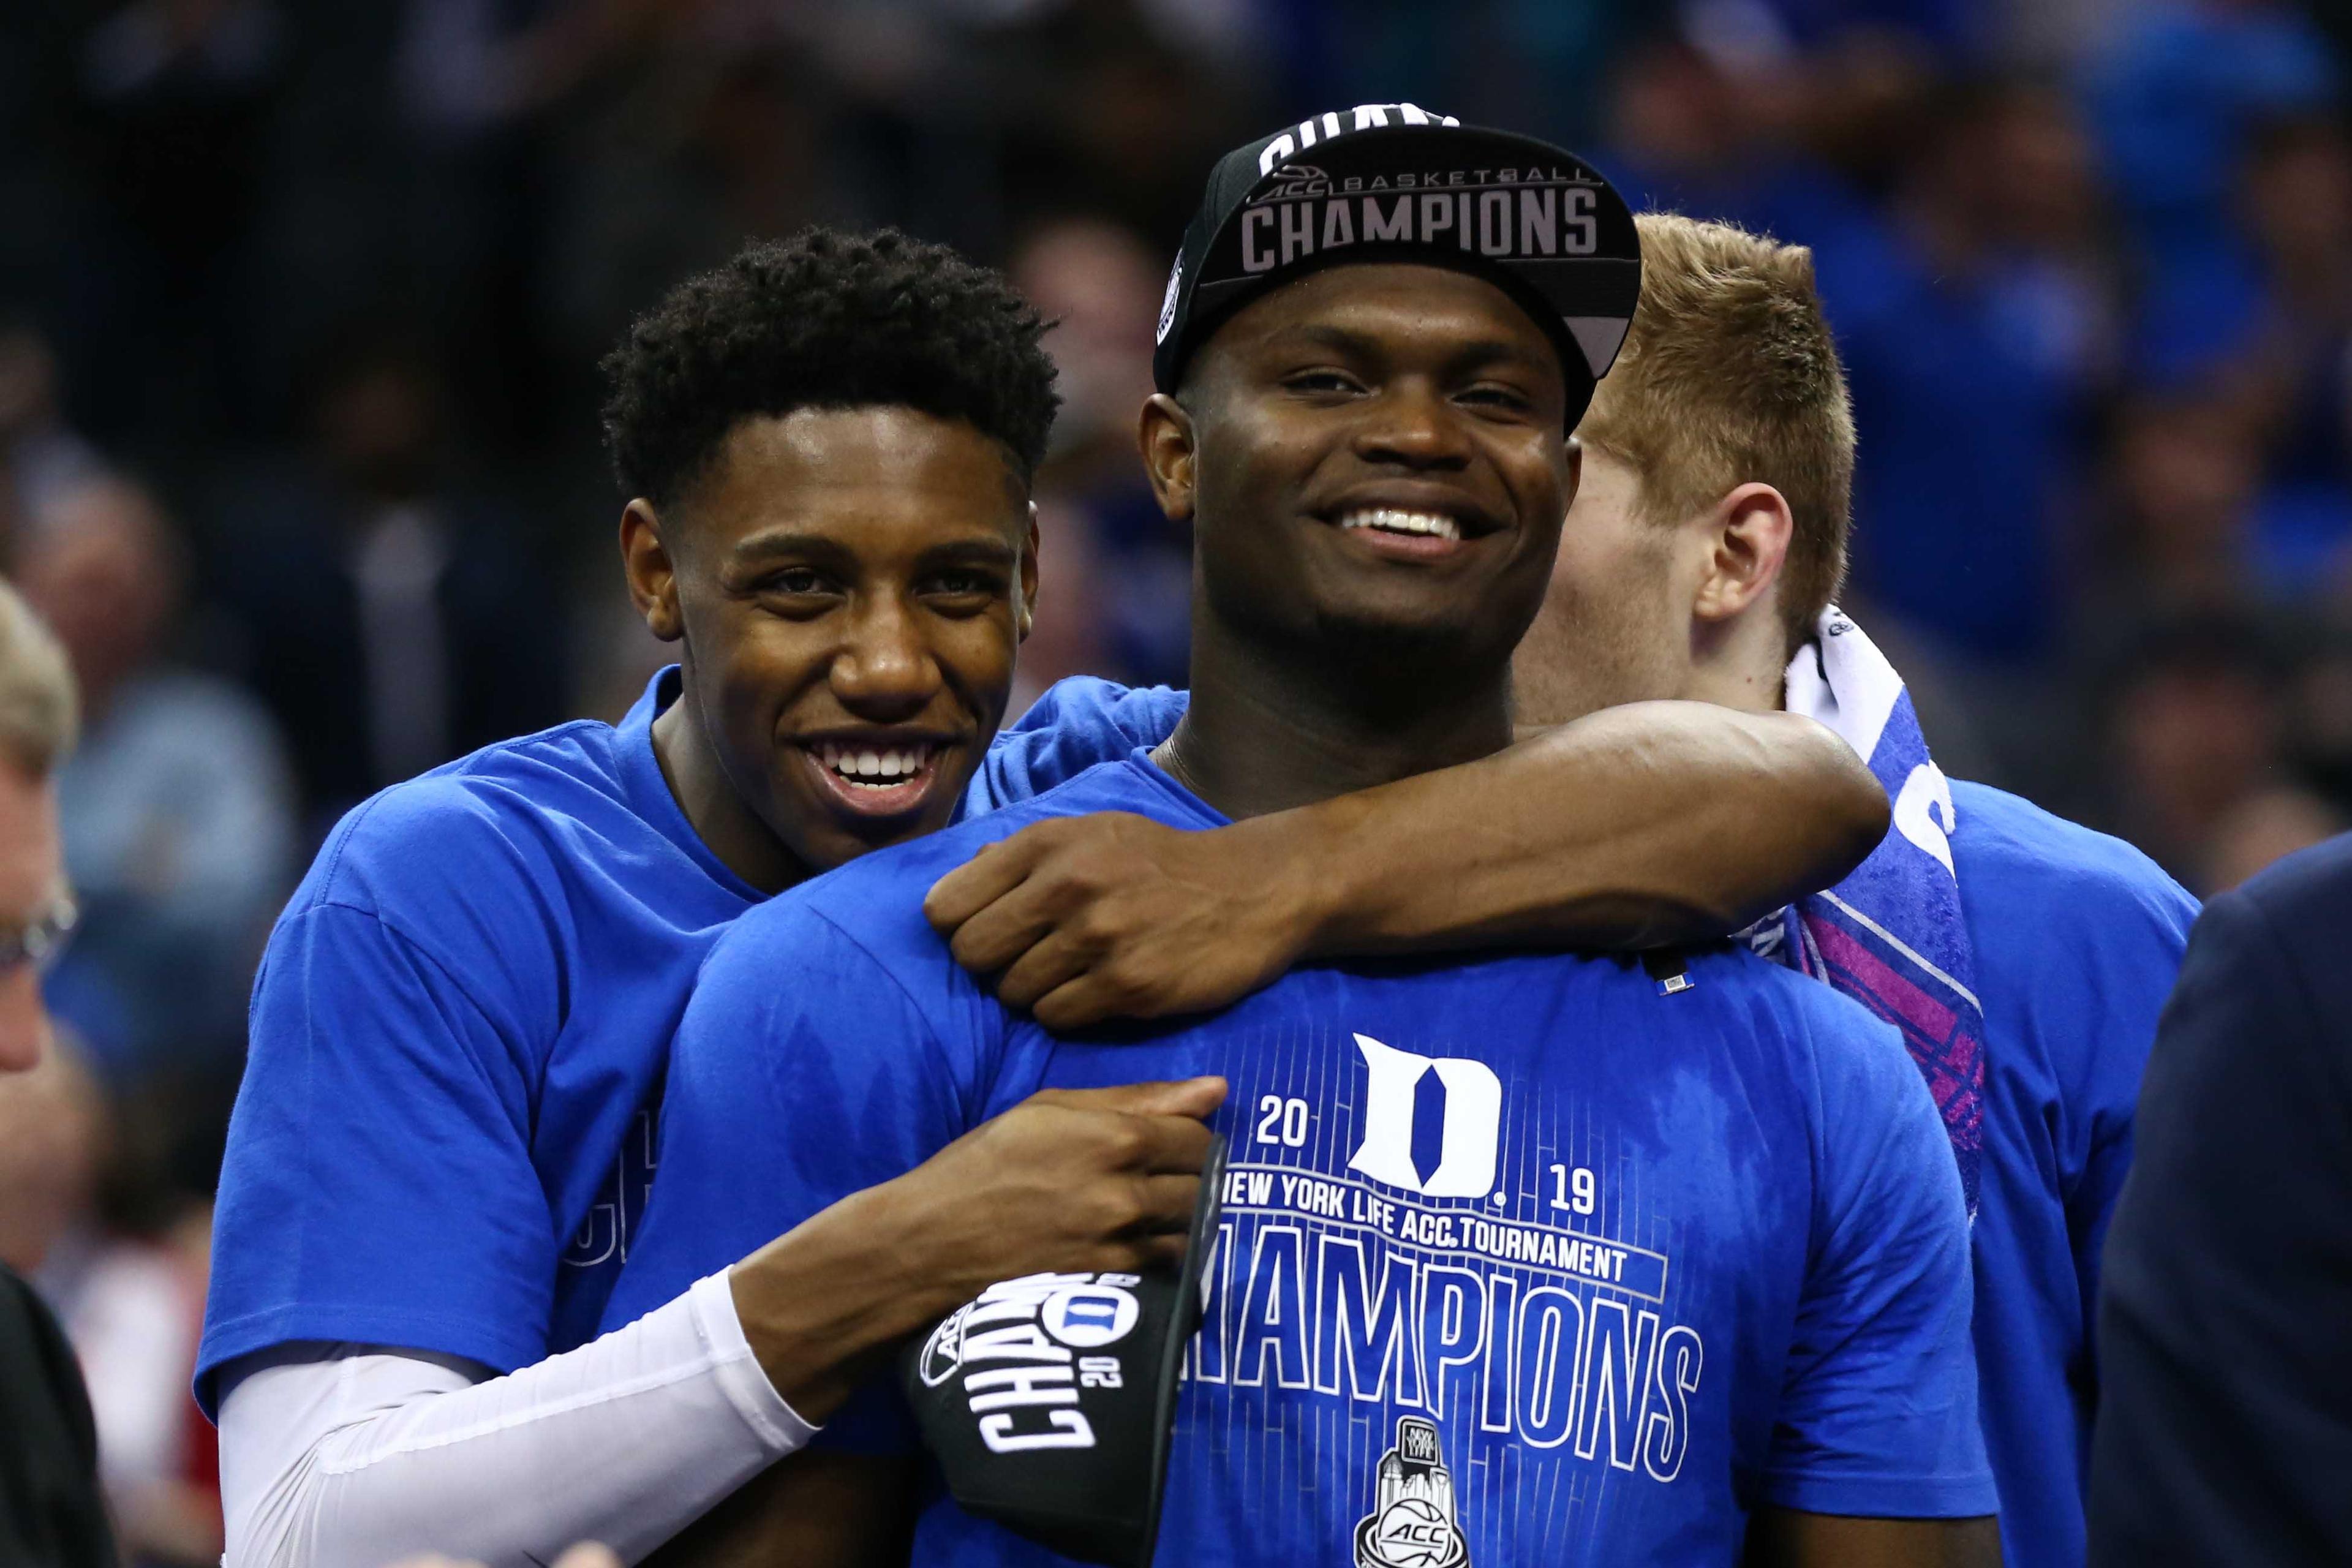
(1268, 730)
(1742, 665)
(731, 829)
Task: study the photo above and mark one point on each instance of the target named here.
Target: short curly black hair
(824, 320)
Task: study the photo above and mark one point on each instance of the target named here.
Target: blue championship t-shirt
(445, 1128)
(2077, 938)
(1603, 1264)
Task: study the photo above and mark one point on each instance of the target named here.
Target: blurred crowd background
(301, 301)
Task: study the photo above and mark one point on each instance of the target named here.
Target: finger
(1170, 1144)
(1162, 1251)
(1080, 1002)
(995, 938)
(589, 1554)
(1055, 959)
(980, 881)
(1166, 1202)
(1178, 1096)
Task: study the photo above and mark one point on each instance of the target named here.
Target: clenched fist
(1080, 918)
(1069, 1181)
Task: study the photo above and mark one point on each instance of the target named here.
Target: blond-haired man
(50, 1513)
(2025, 958)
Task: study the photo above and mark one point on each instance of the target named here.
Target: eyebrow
(783, 542)
(1337, 339)
(987, 552)
(1488, 350)
(1462, 357)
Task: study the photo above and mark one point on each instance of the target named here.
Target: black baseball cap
(1389, 181)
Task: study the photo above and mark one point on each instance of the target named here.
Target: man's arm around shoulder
(1637, 826)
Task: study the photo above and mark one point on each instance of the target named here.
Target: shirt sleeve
(1078, 722)
(378, 1183)
(344, 1456)
(1878, 1407)
(804, 1071)
(2131, 963)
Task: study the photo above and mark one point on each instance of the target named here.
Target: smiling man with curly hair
(444, 1136)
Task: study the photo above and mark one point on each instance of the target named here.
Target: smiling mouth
(878, 780)
(1406, 524)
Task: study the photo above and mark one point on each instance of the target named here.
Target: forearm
(366, 1458)
(1784, 1538)
(1636, 826)
(823, 1303)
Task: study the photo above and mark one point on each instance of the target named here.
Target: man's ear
(1749, 529)
(1024, 610)
(653, 576)
(1575, 473)
(1167, 438)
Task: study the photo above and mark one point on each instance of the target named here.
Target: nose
(24, 1021)
(885, 671)
(1412, 425)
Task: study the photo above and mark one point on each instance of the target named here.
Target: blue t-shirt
(445, 1133)
(2077, 938)
(1643, 1259)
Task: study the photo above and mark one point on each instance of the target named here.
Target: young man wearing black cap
(1523, 1260)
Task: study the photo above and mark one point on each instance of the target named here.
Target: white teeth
(875, 769)
(1389, 520)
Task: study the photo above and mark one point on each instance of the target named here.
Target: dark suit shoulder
(2288, 927)
(51, 1512)
(2310, 885)
(2223, 1434)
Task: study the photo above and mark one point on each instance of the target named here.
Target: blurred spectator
(130, 1307)
(177, 809)
(2193, 730)
(2266, 826)
(2182, 474)
(693, 144)
(39, 456)
(2297, 199)
(2320, 706)
(1717, 135)
(1113, 106)
(392, 622)
(51, 1512)
(1115, 574)
(176, 103)
(1972, 340)
(2174, 98)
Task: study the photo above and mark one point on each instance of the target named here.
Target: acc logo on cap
(1087, 1316)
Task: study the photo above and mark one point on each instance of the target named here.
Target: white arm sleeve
(358, 1456)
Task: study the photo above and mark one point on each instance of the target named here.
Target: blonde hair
(37, 710)
(1729, 376)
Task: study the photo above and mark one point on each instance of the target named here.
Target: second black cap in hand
(1389, 181)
